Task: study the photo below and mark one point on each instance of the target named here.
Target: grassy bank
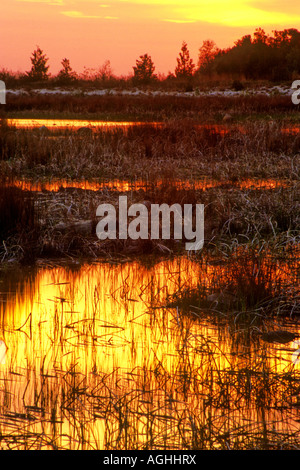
(149, 106)
(179, 149)
(65, 221)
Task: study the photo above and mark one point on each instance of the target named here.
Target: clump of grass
(8, 142)
(251, 280)
(246, 215)
(18, 221)
(16, 211)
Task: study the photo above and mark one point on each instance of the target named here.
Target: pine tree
(39, 68)
(185, 65)
(66, 74)
(144, 69)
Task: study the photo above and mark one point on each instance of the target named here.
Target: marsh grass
(204, 382)
(157, 157)
(197, 388)
(63, 222)
(180, 149)
(152, 107)
(19, 226)
(196, 406)
(250, 285)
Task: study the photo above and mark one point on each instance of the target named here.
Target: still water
(75, 124)
(135, 185)
(95, 359)
(72, 124)
(93, 125)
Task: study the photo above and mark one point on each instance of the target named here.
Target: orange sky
(90, 32)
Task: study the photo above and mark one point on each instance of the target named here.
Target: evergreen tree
(185, 66)
(39, 68)
(144, 69)
(66, 74)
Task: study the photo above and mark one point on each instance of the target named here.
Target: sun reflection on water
(105, 328)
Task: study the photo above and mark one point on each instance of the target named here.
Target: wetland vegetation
(122, 345)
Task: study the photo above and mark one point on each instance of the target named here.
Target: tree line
(258, 56)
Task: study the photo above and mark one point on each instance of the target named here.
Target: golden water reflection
(127, 185)
(102, 331)
(75, 124)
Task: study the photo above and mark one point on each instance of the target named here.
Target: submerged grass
(200, 395)
(189, 382)
(248, 286)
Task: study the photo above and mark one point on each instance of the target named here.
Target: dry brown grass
(65, 220)
(181, 149)
(150, 107)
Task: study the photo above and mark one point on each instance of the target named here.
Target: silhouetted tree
(262, 56)
(245, 41)
(185, 66)
(259, 36)
(39, 68)
(207, 54)
(105, 71)
(66, 74)
(144, 69)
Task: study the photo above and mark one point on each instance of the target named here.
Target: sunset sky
(90, 32)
